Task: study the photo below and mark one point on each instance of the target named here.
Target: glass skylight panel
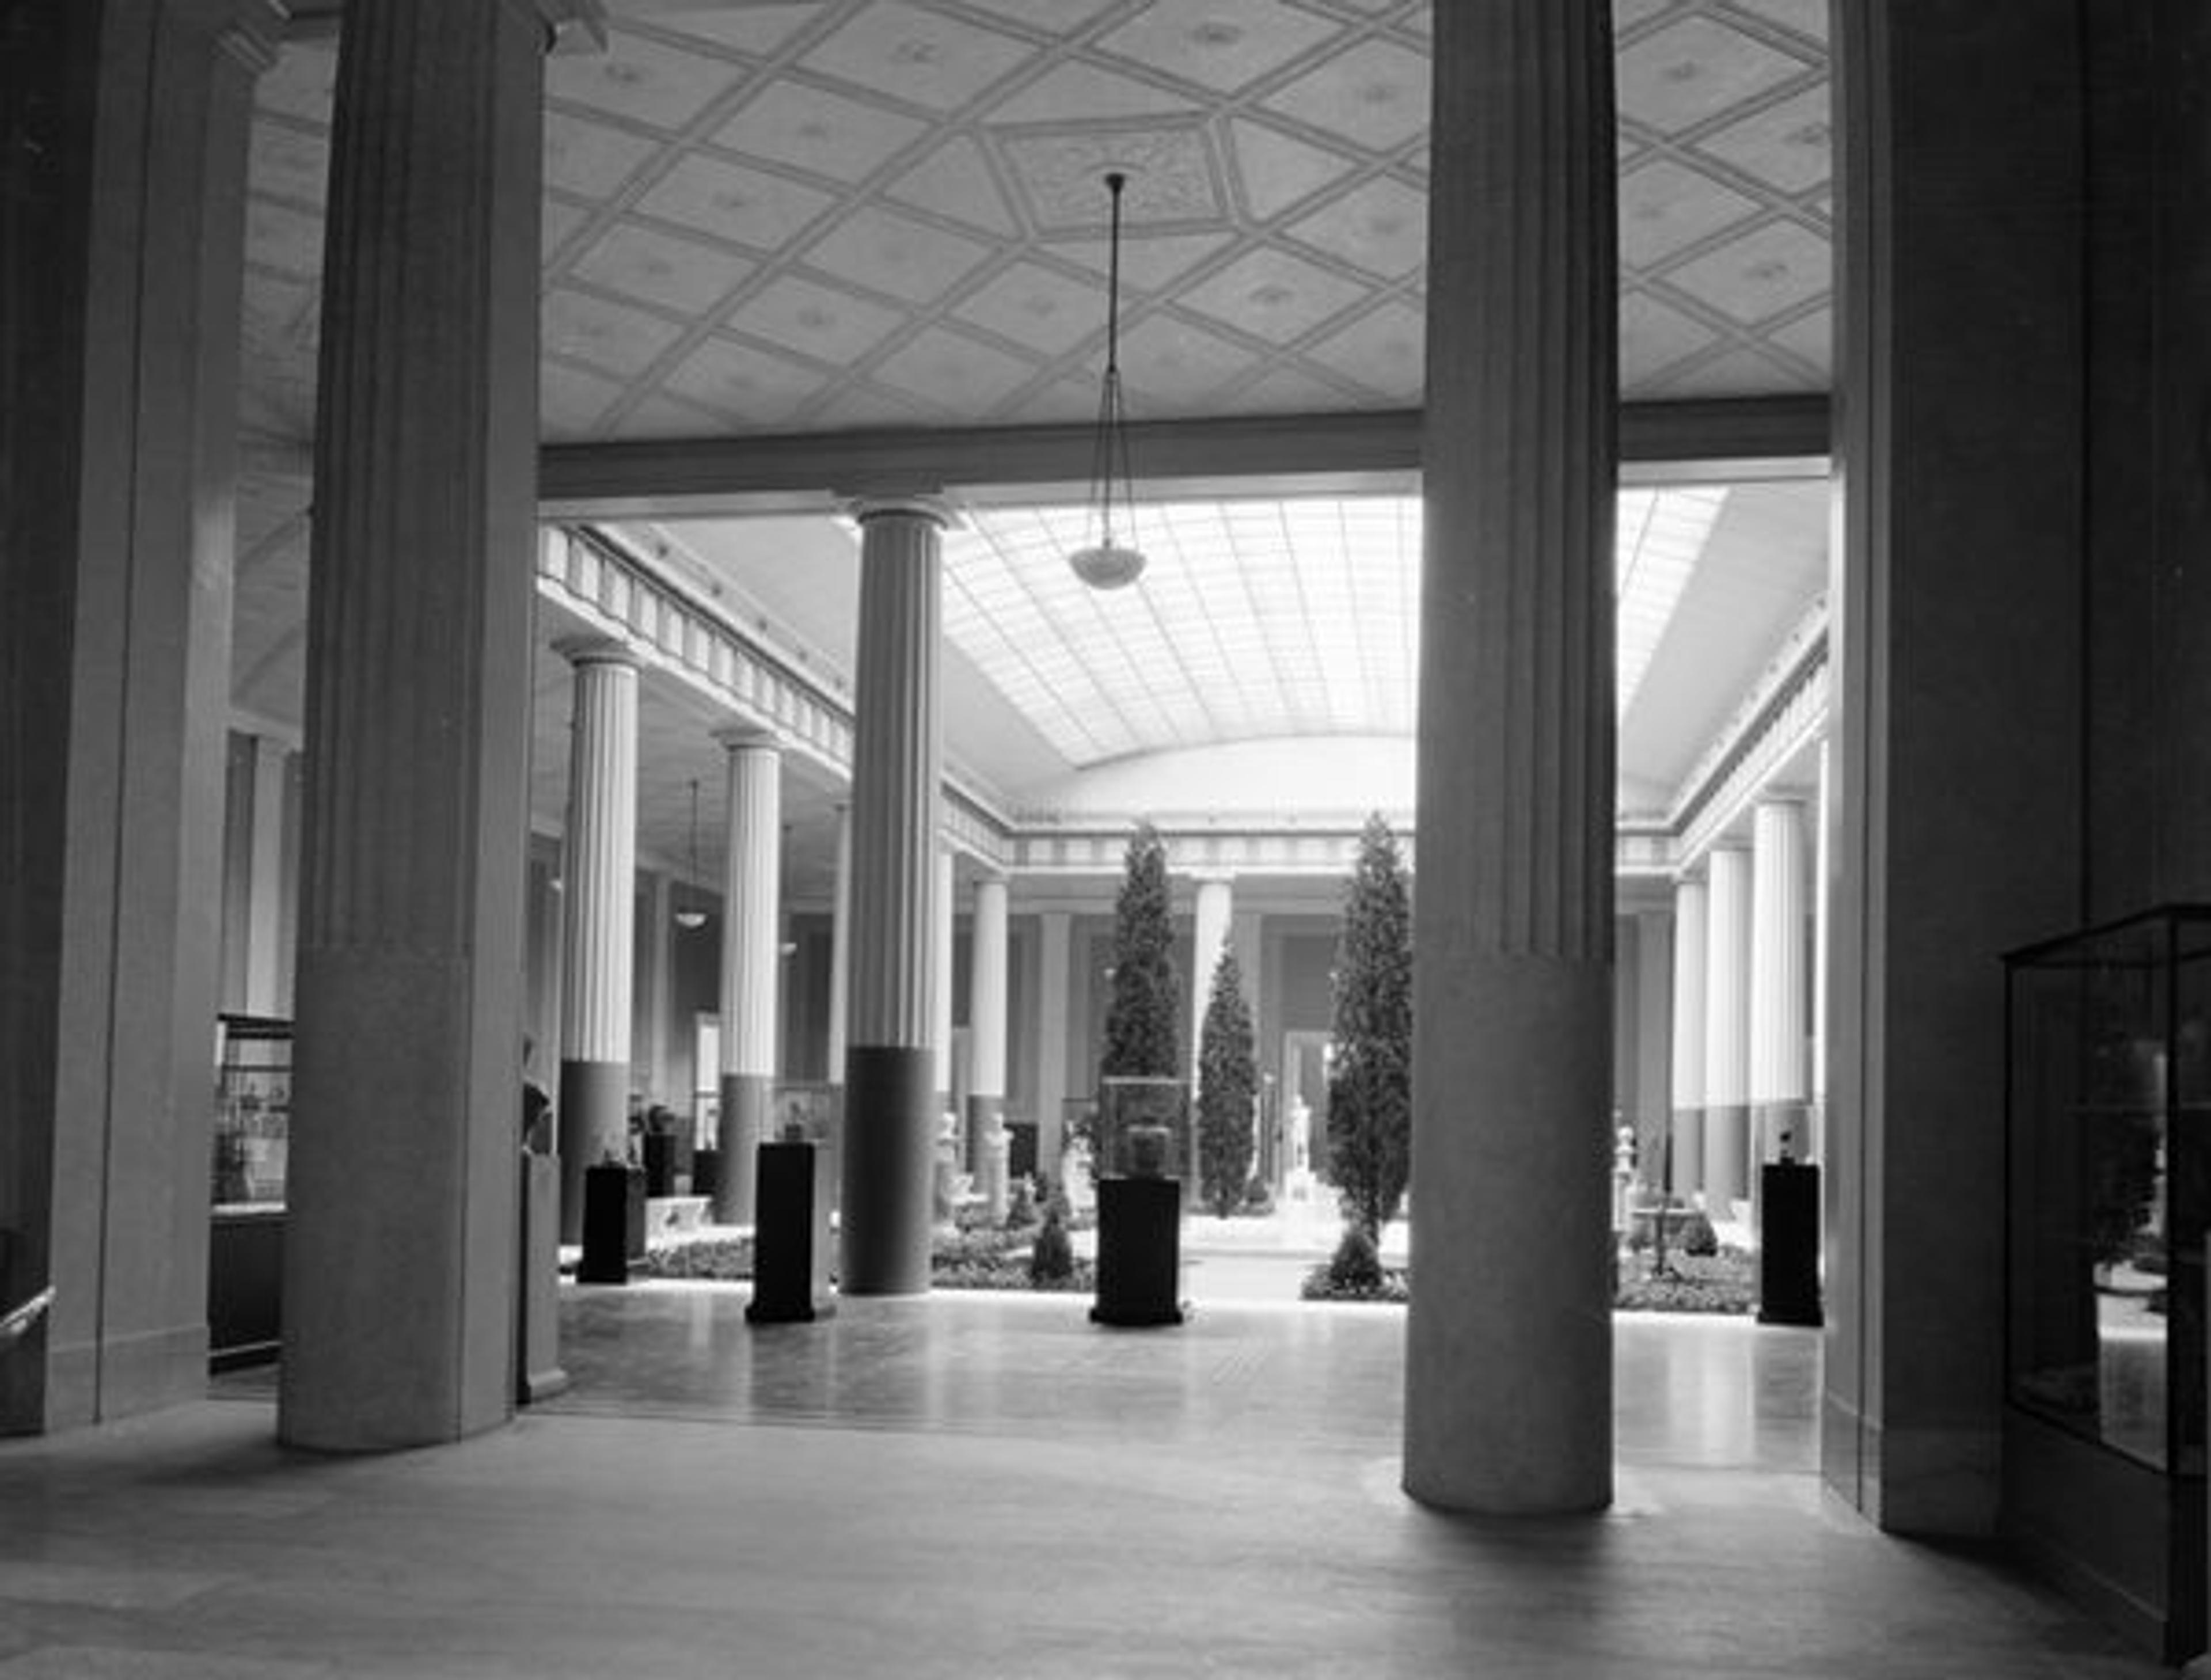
(1661, 535)
(1253, 618)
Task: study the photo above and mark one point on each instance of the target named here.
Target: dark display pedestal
(246, 1268)
(790, 1237)
(659, 1164)
(614, 1224)
(1139, 1251)
(705, 1172)
(1789, 1244)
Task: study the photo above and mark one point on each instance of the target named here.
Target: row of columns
(1742, 1014)
(401, 1253)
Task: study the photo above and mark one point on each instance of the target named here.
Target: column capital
(593, 650)
(930, 508)
(738, 738)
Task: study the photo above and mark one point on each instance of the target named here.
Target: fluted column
(1685, 1174)
(400, 1249)
(941, 947)
(986, 1041)
(898, 754)
(752, 963)
(1508, 1387)
(122, 244)
(1727, 1027)
(598, 917)
(1055, 952)
(840, 945)
(1213, 912)
(1823, 823)
(1780, 1011)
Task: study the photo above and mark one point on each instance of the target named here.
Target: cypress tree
(1370, 1086)
(1141, 1038)
(1228, 1077)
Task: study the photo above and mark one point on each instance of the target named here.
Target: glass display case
(249, 1151)
(1142, 1128)
(253, 1111)
(2108, 1034)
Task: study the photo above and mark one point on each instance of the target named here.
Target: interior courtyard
(537, 549)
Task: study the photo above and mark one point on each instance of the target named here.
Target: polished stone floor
(972, 1485)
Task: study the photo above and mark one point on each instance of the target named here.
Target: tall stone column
(1508, 1384)
(986, 1041)
(653, 988)
(1816, 1145)
(1653, 1115)
(122, 213)
(400, 1252)
(840, 946)
(1215, 911)
(1957, 635)
(598, 918)
(1727, 1026)
(1780, 1012)
(752, 963)
(898, 756)
(1691, 922)
(268, 964)
(940, 948)
(1055, 952)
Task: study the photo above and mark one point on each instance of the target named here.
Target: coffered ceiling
(794, 217)
(827, 214)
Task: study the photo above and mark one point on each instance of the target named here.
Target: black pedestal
(1789, 1244)
(614, 1224)
(1139, 1251)
(790, 1237)
(705, 1172)
(659, 1163)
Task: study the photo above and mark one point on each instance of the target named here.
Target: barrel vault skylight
(1254, 618)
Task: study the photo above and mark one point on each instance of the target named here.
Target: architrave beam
(1338, 453)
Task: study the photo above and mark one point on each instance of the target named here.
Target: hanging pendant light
(1106, 562)
(691, 915)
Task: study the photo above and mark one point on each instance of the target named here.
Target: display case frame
(2108, 1193)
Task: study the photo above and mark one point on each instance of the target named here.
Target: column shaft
(267, 967)
(1055, 952)
(1508, 1387)
(122, 204)
(751, 963)
(941, 949)
(840, 947)
(1823, 855)
(1213, 912)
(1727, 1028)
(986, 1040)
(598, 873)
(898, 754)
(1685, 1175)
(400, 1252)
(1780, 979)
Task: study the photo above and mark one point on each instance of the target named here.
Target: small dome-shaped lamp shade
(1107, 565)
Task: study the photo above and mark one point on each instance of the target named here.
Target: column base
(593, 1118)
(747, 1098)
(889, 1165)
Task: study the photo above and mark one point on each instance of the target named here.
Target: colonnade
(1744, 934)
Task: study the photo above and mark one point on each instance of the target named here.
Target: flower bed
(1724, 1282)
